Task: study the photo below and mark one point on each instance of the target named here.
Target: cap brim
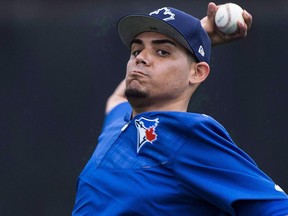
(132, 25)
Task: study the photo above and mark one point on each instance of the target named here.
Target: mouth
(139, 73)
(136, 77)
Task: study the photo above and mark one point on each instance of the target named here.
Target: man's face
(158, 70)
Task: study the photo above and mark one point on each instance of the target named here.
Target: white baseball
(227, 16)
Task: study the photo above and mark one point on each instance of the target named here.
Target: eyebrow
(160, 41)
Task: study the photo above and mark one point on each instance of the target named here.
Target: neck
(140, 106)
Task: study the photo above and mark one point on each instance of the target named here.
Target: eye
(162, 53)
(135, 53)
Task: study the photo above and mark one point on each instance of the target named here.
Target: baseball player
(155, 158)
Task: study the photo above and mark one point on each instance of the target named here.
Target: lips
(137, 75)
(136, 72)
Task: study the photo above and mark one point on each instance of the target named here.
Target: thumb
(211, 11)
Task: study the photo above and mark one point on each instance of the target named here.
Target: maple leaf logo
(146, 131)
(150, 134)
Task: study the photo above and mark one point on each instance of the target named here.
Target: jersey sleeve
(119, 111)
(211, 166)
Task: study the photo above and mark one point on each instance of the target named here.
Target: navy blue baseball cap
(182, 27)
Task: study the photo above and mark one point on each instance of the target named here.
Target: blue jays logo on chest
(146, 131)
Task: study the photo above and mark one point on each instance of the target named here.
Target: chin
(135, 93)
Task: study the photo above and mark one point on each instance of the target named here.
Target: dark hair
(192, 56)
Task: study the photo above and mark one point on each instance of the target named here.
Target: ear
(199, 73)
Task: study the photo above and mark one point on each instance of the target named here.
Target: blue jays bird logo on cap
(166, 12)
(146, 130)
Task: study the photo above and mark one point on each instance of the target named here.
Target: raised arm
(117, 97)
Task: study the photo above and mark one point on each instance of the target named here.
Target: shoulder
(118, 112)
(191, 126)
(187, 122)
(192, 119)
(202, 124)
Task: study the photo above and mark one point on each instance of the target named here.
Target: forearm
(117, 97)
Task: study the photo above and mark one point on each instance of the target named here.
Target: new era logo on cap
(201, 51)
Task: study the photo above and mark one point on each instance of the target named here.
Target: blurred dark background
(60, 60)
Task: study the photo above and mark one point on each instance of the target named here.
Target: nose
(143, 57)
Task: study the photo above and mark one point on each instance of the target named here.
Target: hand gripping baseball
(218, 37)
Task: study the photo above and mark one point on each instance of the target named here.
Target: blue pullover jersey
(168, 163)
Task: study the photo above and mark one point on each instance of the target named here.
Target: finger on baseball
(247, 18)
(242, 29)
(211, 10)
(233, 36)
